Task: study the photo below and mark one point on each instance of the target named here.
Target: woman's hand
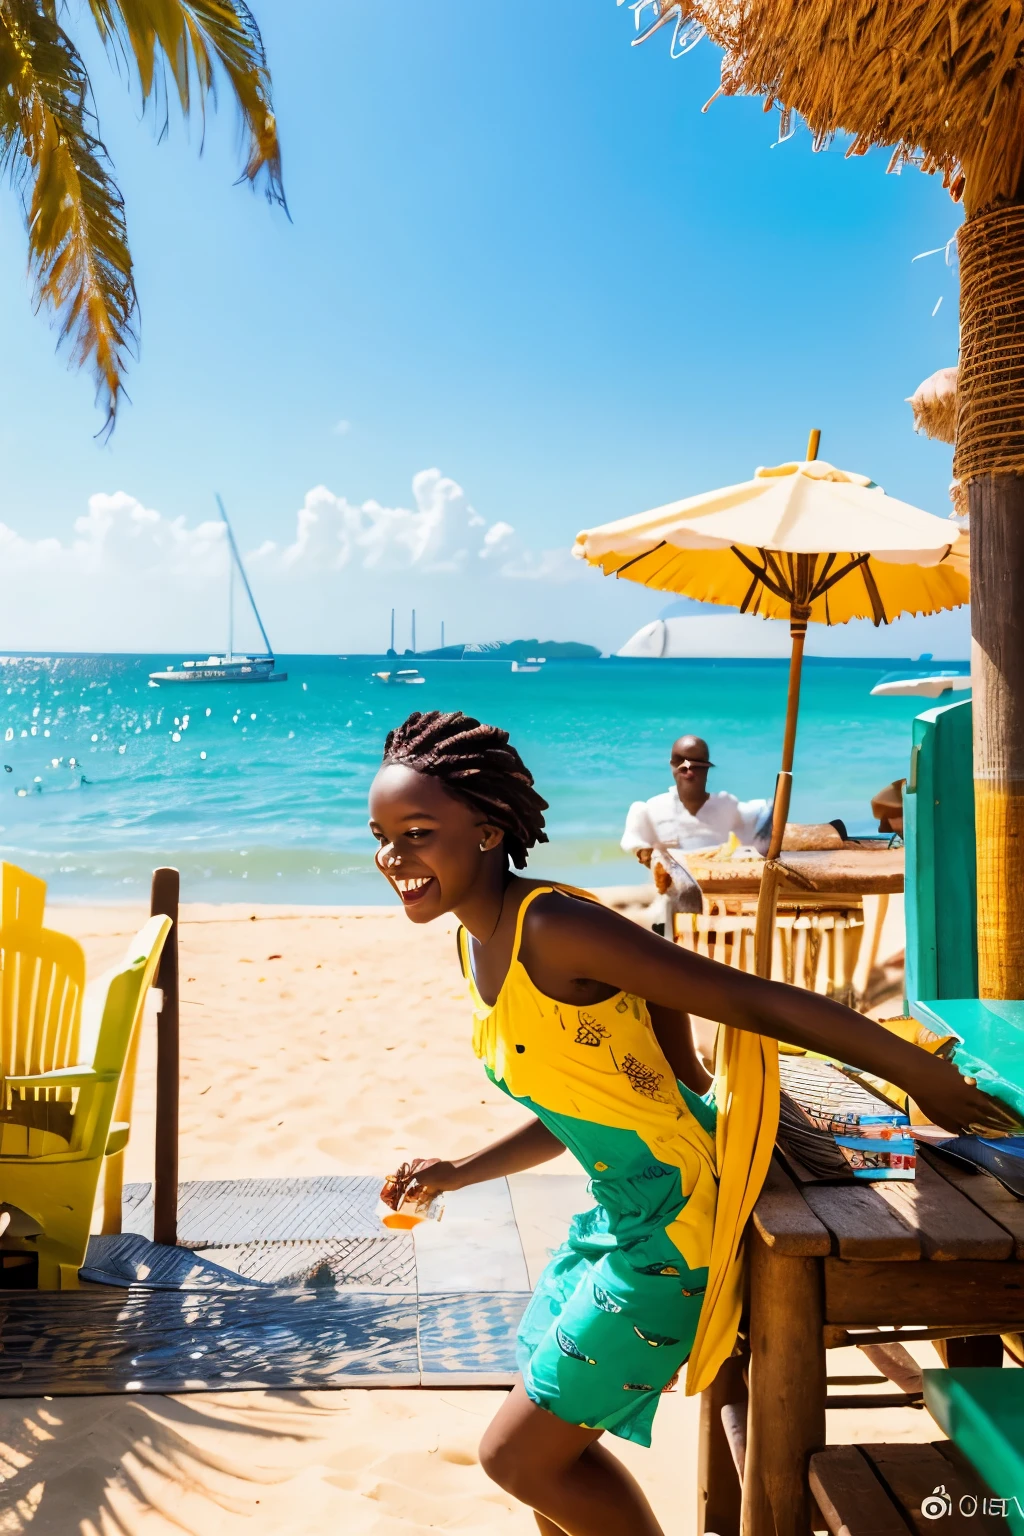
(956, 1103)
(531, 1144)
(432, 1176)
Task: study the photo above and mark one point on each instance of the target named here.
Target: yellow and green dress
(648, 1273)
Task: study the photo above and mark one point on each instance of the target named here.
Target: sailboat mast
(414, 631)
(392, 629)
(245, 579)
(231, 605)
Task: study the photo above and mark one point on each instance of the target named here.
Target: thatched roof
(934, 405)
(941, 82)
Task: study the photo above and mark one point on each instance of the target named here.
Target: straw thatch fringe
(934, 405)
(940, 82)
(990, 395)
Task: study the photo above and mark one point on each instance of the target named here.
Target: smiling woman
(578, 1017)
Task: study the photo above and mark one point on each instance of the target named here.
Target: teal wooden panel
(941, 888)
(982, 1412)
(992, 1033)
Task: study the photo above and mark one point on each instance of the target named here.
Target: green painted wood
(992, 1032)
(941, 890)
(982, 1412)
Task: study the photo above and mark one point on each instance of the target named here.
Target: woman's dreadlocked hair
(475, 762)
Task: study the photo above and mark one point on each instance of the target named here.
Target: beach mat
(287, 1283)
(70, 1343)
(369, 1263)
(225, 1212)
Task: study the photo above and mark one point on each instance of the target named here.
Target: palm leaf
(78, 247)
(186, 40)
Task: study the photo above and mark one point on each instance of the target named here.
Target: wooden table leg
(718, 1484)
(786, 1418)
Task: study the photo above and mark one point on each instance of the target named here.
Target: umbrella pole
(771, 875)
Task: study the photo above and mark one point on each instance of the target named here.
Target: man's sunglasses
(690, 762)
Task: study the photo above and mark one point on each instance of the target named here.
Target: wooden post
(786, 1416)
(718, 1484)
(771, 878)
(164, 901)
(997, 676)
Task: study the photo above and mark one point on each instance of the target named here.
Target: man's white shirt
(664, 822)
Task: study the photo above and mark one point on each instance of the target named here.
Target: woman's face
(433, 844)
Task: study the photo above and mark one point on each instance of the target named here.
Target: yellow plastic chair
(120, 1130)
(42, 981)
(51, 1172)
(22, 898)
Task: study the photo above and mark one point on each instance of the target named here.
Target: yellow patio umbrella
(806, 542)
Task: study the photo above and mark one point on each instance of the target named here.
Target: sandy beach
(313, 1041)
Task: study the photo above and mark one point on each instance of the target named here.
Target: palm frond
(185, 41)
(78, 245)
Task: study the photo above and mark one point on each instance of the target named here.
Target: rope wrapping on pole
(990, 382)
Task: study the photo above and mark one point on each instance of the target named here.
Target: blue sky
(519, 255)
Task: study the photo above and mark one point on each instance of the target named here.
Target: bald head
(690, 762)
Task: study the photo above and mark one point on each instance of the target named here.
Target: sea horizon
(257, 792)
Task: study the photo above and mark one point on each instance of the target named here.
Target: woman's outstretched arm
(565, 940)
(533, 1143)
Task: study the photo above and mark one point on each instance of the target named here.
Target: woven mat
(286, 1283)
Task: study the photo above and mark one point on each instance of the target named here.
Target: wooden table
(832, 1265)
(856, 869)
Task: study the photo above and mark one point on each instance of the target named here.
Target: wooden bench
(879, 1490)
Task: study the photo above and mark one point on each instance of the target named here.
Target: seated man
(687, 817)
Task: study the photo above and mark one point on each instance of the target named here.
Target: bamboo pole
(784, 783)
(771, 875)
(997, 676)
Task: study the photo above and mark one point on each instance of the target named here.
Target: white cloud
(130, 578)
(437, 535)
(342, 428)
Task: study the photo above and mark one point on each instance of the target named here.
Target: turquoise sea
(259, 793)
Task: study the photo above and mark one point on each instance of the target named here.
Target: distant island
(509, 650)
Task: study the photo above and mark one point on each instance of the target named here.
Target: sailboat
(229, 668)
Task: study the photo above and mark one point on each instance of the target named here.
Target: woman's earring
(483, 847)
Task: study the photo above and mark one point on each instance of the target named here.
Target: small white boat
(531, 664)
(222, 669)
(927, 686)
(229, 668)
(408, 675)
